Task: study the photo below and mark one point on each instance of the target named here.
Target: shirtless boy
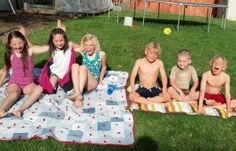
(148, 70)
(212, 83)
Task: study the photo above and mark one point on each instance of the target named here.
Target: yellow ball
(167, 31)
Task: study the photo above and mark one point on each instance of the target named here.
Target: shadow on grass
(172, 21)
(146, 143)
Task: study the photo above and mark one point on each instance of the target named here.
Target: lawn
(123, 45)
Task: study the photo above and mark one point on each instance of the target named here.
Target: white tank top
(61, 62)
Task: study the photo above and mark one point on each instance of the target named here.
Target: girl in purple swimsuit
(18, 57)
(57, 70)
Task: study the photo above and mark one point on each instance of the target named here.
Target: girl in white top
(60, 49)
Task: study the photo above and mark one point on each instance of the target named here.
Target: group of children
(182, 74)
(18, 58)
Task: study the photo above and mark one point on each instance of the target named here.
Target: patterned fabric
(94, 65)
(180, 107)
(103, 119)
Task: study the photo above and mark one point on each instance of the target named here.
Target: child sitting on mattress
(91, 72)
(148, 69)
(57, 70)
(18, 57)
(212, 83)
(180, 77)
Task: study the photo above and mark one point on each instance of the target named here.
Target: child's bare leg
(13, 92)
(87, 81)
(2, 113)
(141, 100)
(161, 98)
(233, 104)
(193, 99)
(54, 80)
(76, 82)
(175, 95)
(212, 103)
(32, 98)
(78, 102)
(158, 99)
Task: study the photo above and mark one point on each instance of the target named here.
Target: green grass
(123, 45)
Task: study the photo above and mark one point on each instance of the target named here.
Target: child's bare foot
(17, 113)
(202, 111)
(75, 97)
(78, 103)
(2, 113)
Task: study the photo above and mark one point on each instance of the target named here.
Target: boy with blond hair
(148, 69)
(212, 83)
(180, 77)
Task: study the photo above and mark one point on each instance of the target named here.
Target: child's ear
(223, 68)
(190, 61)
(145, 52)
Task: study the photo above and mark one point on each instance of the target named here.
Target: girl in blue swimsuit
(88, 75)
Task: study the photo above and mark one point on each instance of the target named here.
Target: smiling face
(151, 55)
(183, 61)
(58, 41)
(89, 47)
(217, 66)
(17, 44)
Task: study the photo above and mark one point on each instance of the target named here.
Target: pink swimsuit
(18, 75)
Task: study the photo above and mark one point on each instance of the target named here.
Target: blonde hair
(155, 46)
(219, 57)
(94, 40)
(185, 53)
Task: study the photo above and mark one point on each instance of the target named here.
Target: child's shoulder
(159, 62)
(140, 60)
(191, 67)
(102, 54)
(207, 73)
(226, 75)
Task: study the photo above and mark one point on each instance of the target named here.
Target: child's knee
(75, 66)
(15, 94)
(39, 88)
(83, 68)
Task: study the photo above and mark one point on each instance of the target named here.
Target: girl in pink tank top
(18, 57)
(19, 76)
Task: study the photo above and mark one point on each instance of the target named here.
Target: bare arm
(76, 47)
(195, 81)
(3, 75)
(73, 45)
(61, 25)
(163, 77)
(39, 49)
(227, 93)
(174, 85)
(22, 30)
(33, 48)
(104, 66)
(133, 76)
(195, 85)
(202, 92)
